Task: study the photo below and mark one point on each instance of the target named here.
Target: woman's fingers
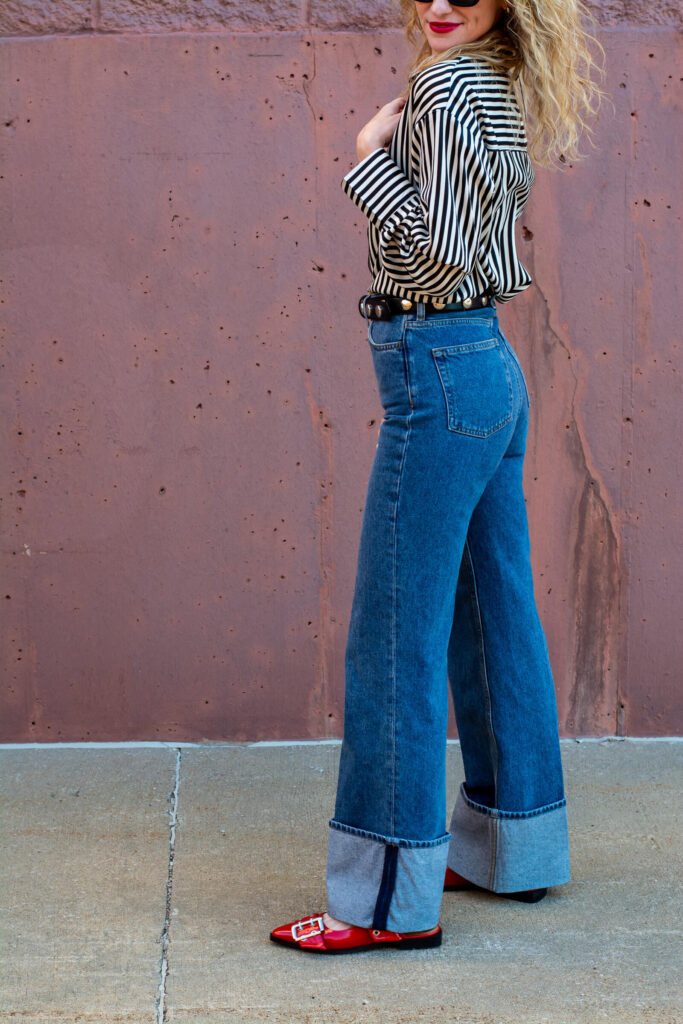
(383, 124)
(380, 129)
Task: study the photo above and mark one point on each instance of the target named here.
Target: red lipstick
(440, 26)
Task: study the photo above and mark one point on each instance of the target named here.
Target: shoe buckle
(308, 921)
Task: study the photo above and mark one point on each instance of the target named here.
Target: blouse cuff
(378, 187)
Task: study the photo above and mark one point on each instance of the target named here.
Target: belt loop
(420, 311)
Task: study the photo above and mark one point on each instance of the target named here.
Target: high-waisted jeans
(444, 596)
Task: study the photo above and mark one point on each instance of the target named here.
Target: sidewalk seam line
(164, 938)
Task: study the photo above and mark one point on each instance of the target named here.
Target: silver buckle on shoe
(308, 921)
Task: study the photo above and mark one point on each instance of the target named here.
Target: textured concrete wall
(190, 406)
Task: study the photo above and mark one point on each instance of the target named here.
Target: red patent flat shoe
(454, 882)
(311, 935)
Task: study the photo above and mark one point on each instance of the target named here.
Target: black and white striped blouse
(443, 200)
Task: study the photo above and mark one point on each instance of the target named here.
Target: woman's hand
(380, 129)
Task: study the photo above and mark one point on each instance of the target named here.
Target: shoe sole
(419, 942)
(521, 897)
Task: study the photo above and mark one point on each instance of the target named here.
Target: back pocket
(476, 383)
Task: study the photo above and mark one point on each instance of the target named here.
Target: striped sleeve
(430, 233)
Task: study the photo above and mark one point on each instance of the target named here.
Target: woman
(444, 590)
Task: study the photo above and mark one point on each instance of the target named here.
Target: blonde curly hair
(544, 48)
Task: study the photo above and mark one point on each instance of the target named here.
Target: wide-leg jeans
(444, 596)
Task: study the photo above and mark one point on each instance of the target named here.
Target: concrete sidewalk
(139, 883)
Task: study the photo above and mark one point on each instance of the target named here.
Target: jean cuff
(509, 851)
(385, 882)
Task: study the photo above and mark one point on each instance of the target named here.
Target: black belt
(377, 306)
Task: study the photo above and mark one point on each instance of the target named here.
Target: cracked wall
(192, 412)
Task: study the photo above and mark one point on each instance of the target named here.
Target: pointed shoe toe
(283, 933)
(310, 935)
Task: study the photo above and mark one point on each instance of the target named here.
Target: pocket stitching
(451, 412)
(468, 346)
(381, 345)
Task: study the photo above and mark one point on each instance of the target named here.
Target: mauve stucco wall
(190, 406)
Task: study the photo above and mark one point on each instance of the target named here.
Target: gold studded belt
(377, 306)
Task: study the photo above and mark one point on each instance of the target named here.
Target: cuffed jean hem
(384, 882)
(509, 851)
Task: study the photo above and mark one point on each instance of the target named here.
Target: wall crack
(596, 578)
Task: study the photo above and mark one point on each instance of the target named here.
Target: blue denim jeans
(444, 596)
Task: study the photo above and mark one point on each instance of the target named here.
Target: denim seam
(493, 744)
(408, 844)
(522, 382)
(518, 376)
(494, 851)
(406, 363)
(495, 812)
(394, 767)
(432, 322)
